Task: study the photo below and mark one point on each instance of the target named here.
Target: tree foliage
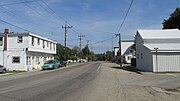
(60, 52)
(173, 21)
(85, 51)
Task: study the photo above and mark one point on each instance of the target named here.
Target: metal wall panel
(166, 62)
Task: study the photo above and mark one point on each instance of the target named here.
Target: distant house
(25, 51)
(158, 50)
(126, 50)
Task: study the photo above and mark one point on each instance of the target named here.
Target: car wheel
(4, 71)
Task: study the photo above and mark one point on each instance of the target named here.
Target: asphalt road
(93, 81)
(51, 85)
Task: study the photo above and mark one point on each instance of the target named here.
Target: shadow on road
(129, 68)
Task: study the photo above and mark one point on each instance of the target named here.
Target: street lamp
(156, 60)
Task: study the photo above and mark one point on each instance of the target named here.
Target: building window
(50, 46)
(38, 60)
(47, 44)
(19, 39)
(38, 41)
(1, 41)
(28, 60)
(16, 59)
(141, 55)
(43, 44)
(137, 56)
(54, 46)
(128, 58)
(32, 41)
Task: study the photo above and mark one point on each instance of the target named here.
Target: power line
(53, 10)
(31, 8)
(119, 27)
(25, 3)
(102, 41)
(60, 17)
(18, 3)
(45, 9)
(15, 26)
(39, 12)
(125, 16)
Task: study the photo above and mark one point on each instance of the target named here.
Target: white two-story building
(25, 51)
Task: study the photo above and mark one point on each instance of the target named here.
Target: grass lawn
(11, 73)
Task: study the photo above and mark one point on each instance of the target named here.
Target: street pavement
(93, 81)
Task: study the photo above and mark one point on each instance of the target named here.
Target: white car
(69, 61)
(2, 69)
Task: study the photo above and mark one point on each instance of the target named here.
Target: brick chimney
(6, 31)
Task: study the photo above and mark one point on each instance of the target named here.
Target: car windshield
(49, 62)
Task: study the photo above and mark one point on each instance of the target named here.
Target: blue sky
(97, 20)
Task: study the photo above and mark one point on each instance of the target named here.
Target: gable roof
(160, 34)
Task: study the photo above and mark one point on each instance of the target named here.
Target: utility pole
(112, 55)
(120, 58)
(88, 50)
(65, 34)
(80, 38)
(91, 52)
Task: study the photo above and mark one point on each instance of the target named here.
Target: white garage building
(158, 50)
(25, 51)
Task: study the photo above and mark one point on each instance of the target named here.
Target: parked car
(69, 61)
(51, 64)
(63, 63)
(2, 69)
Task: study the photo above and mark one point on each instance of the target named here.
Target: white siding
(38, 59)
(166, 62)
(1, 57)
(144, 62)
(39, 47)
(14, 45)
(15, 66)
(167, 42)
(127, 58)
(24, 49)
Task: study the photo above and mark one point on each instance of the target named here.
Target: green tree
(173, 21)
(109, 55)
(59, 52)
(85, 51)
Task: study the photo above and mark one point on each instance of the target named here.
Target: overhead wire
(53, 11)
(60, 17)
(102, 41)
(8, 4)
(125, 16)
(120, 25)
(32, 8)
(15, 26)
(8, 11)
